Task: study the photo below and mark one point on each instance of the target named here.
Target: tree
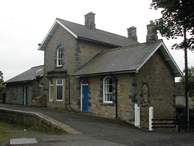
(1, 80)
(190, 81)
(177, 16)
(190, 76)
(177, 21)
(2, 85)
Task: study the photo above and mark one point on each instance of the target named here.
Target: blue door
(85, 97)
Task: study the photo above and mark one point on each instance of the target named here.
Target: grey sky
(25, 23)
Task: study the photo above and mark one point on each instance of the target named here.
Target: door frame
(81, 95)
(25, 95)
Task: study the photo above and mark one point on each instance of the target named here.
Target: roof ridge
(134, 45)
(94, 29)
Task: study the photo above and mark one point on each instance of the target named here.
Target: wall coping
(47, 119)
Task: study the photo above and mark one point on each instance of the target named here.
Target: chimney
(90, 20)
(132, 33)
(151, 33)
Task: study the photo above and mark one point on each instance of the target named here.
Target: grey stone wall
(88, 50)
(35, 93)
(14, 94)
(60, 36)
(155, 73)
(159, 78)
(96, 105)
(35, 121)
(124, 95)
(2, 92)
(76, 54)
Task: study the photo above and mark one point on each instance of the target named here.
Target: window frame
(50, 93)
(105, 90)
(61, 85)
(59, 58)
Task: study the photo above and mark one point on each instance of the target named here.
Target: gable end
(51, 30)
(167, 57)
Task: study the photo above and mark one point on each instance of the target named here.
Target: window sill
(59, 100)
(108, 103)
(59, 66)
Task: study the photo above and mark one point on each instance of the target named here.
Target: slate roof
(28, 75)
(122, 59)
(97, 35)
(129, 57)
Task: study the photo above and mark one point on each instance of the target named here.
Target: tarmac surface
(98, 131)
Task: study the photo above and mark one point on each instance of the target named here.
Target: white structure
(137, 115)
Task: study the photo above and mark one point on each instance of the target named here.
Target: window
(51, 90)
(59, 89)
(59, 56)
(107, 90)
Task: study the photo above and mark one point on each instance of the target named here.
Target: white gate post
(151, 116)
(137, 115)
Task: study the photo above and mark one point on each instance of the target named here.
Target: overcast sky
(25, 23)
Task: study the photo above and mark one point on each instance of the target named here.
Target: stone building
(26, 88)
(90, 70)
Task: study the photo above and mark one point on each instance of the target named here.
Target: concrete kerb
(47, 119)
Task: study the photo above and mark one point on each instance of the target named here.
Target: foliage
(190, 81)
(177, 15)
(1, 80)
(1, 75)
(190, 75)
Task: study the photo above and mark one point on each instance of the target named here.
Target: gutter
(105, 73)
(18, 82)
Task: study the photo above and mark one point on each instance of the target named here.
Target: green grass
(8, 131)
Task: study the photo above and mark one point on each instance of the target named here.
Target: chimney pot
(90, 20)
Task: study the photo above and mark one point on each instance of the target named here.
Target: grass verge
(8, 131)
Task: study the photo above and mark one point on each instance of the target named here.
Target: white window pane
(108, 89)
(59, 82)
(59, 56)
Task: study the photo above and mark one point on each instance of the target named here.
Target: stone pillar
(144, 116)
(144, 106)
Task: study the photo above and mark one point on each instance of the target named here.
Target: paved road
(106, 130)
